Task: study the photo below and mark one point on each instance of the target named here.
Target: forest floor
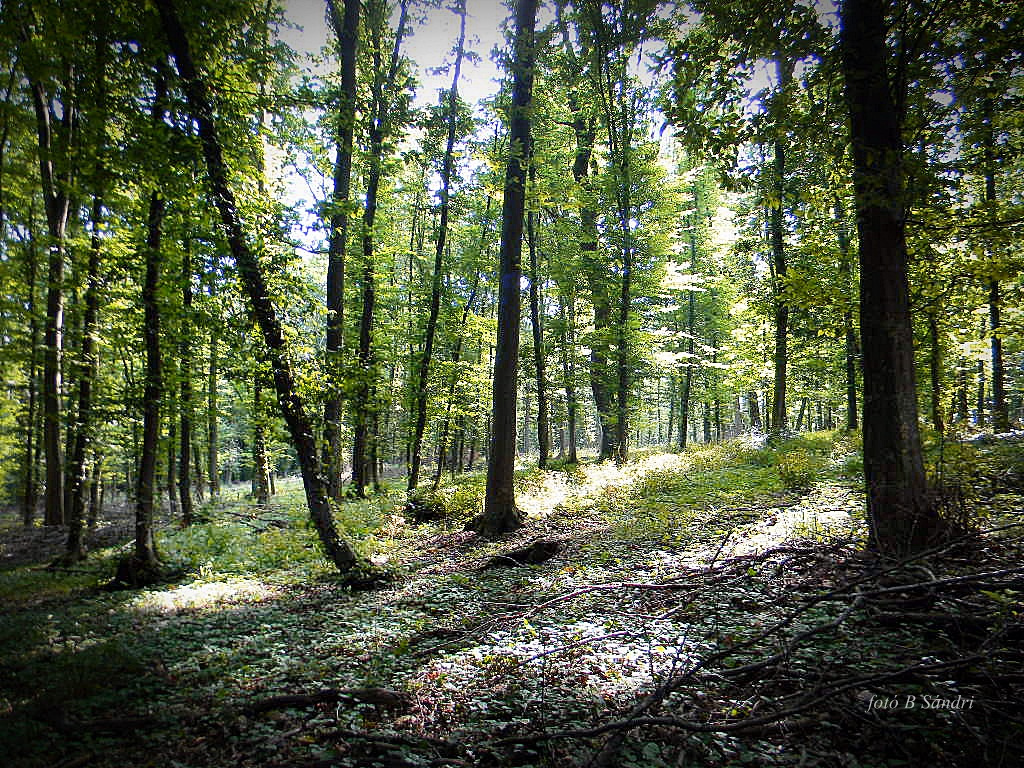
(711, 608)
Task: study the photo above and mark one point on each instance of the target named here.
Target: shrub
(798, 470)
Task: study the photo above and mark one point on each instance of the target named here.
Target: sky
(429, 46)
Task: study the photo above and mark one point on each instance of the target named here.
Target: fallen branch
(379, 697)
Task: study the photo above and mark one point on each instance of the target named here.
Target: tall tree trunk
(292, 406)
(145, 547)
(935, 370)
(568, 342)
(901, 515)
(753, 409)
(346, 31)
(30, 496)
(423, 374)
(850, 335)
(213, 414)
(684, 402)
(543, 428)
(55, 185)
(260, 469)
(776, 223)
(500, 512)
(364, 439)
(1000, 414)
(185, 391)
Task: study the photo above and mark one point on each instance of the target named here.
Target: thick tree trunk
(901, 514)
(423, 374)
(500, 512)
(346, 31)
(292, 407)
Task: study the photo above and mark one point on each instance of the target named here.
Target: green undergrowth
(477, 653)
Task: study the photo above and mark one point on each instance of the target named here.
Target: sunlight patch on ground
(203, 595)
(555, 488)
(826, 511)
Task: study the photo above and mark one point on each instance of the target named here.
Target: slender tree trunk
(980, 402)
(423, 375)
(58, 211)
(684, 402)
(568, 318)
(901, 515)
(543, 428)
(364, 439)
(1000, 414)
(346, 31)
(212, 414)
(456, 358)
(145, 548)
(260, 470)
(172, 467)
(935, 370)
(753, 409)
(500, 512)
(776, 224)
(849, 333)
(30, 496)
(292, 406)
(185, 391)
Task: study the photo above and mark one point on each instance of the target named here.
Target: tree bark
(346, 31)
(901, 514)
(185, 391)
(55, 186)
(364, 439)
(292, 406)
(543, 427)
(213, 414)
(500, 512)
(423, 374)
(145, 547)
(776, 224)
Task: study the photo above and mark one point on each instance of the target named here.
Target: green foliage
(451, 504)
(798, 470)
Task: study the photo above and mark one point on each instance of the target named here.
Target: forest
(478, 383)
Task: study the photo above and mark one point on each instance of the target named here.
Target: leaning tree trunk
(500, 512)
(902, 517)
(776, 226)
(423, 374)
(254, 282)
(1000, 413)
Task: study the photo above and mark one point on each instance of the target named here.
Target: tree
(346, 32)
(423, 373)
(293, 408)
(501, 514)
(902, 515)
